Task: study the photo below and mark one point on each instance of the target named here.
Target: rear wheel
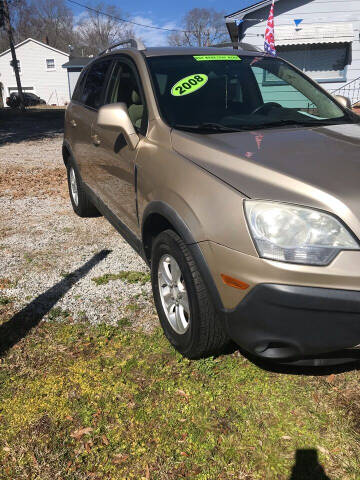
(79, 200)
(185, 309)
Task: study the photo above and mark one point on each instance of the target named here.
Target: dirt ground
(46, 251)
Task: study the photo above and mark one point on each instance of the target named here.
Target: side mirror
(344, 101)
(115, 116)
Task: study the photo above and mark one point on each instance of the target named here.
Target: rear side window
(79, 87)
(94, 83)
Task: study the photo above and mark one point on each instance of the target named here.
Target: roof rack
(133, 42)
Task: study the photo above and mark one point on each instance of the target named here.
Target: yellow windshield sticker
(189, 84)
(206, 58)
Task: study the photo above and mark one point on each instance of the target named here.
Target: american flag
(269, 44)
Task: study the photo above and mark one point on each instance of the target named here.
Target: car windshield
(212, 93)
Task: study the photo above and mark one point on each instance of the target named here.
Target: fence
(350, 90)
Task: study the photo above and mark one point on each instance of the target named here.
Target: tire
(204, 334)
(80, 203)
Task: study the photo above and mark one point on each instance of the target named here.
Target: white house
(41, 72)
(74, 67)
(319, 37)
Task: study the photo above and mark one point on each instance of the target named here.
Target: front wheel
(185, 309)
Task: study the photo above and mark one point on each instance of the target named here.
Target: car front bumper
(290, 322)
(288, 311)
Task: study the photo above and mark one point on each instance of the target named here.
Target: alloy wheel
(173, 294)
(74, 187)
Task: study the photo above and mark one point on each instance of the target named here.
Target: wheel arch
(159, 216)
(66, 153)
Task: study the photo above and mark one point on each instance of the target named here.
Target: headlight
(296, 234)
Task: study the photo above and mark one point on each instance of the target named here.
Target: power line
(127, 21)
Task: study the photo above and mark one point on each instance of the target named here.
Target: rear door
(80, 117)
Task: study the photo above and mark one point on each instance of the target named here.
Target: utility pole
(4, 12)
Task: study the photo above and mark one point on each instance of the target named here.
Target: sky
(162, 13)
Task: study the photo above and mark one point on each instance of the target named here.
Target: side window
(124, 87)
(95, 80)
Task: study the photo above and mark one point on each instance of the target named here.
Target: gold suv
(236, 178)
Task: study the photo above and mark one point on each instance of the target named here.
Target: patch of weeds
(66, 275)
(82, 316)
(7, 283)
(57, 313)
(28, 258)
(131, 276)
(124, 322)
(207, 366)
(6, 300)
(133, 307)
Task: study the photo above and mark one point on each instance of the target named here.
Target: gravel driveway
(49, 256)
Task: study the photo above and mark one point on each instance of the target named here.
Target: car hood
(318, 167)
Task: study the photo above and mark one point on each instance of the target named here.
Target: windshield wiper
(206, 127)
(290, 123)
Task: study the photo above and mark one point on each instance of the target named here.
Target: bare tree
(49, 21)
(53, 21)
(203, 27)
(13, 6)
(96, 32)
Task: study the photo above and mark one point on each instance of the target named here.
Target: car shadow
(307, 466)
(324, 366)
(33, 124)
(12, 331)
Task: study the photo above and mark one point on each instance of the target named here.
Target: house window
(323, 63)
(18, 65)
(50, 64)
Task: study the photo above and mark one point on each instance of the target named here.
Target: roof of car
(163, 51)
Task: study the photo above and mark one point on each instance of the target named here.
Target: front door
(114, 158)
(81, 115)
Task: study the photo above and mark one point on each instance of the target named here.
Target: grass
(126, 276)
(57, 313)
(6, 300)
(102, 402)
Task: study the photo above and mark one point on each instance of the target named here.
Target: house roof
(248, 6)
(35, 41)
(77, 62)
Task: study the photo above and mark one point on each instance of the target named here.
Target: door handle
(96, 140)
(73, 123)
